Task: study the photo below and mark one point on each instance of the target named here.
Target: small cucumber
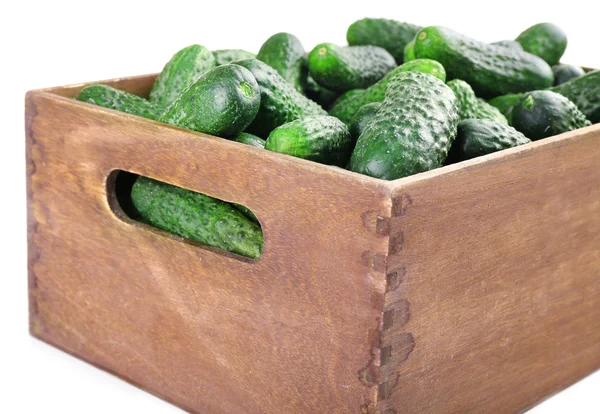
(545, 40)
(226, 56)
(196, 217)
(484, 110)
(389, 34)
(478, 137)
(280, 102)
(347, 105)
(584, 92)
(319, 94)
(341, 69)
(109, 97)
(564, 73)
(409, 51)
(542, 114)
(491, 70)
(236, 107)
(412, 131)
(250, 139)
(466, 101)
(362, 118)
(505, 104)
(184, 68)
(284, 53)
(323, 139)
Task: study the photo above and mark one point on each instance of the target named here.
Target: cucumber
(347, 105)
(409, 51)
(484, 110)
(541, 114)
(250, 139)
(510, 44)
(323, 139)
(584, 92)
(478, 137)
(341, 69)
(109, 97)
(362, 118)
(319, 94)
(280, 102)
(284, 53)
(196, 216)
(184, 68)
(226, 56)
(412, 131)
(564, 73)
(466, 101)
(491, 70)
(545, 40)
(236, 107)
(505, 104)
(391, 35)
(246, 212)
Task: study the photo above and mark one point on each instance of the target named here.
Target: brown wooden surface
(471, 288)
(500, 295)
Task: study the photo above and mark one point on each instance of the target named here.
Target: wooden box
(471, 288)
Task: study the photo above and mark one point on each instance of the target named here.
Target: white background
(55, 43)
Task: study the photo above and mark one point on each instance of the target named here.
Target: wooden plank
(493, 299)
(211, 332)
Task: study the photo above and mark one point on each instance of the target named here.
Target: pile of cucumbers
(398, 100)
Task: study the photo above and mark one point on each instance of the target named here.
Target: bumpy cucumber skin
(323, 139)
(109, 97)
(236, 107)
(284, 53)
(246, 212)
(319, 94)
(226, 56)
(196, 217)
(341, 69)
(564, 73)
(347, 105)
(491, 70)
(466, 100)
(249, 139)
(412, 131)
(542, 114)
(478, 137)
(409, 51)
(545, 40)
(184, 68)
(280, 102)
(509, 43)
(584, 92)
(484, 110)
(362, 118)
(391, 35)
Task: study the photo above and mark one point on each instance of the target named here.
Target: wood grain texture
(471, 288)
(493, 298)
(294, 331)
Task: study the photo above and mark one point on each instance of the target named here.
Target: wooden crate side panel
(295, 331)
(493, 295)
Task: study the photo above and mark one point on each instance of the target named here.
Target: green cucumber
(409, 51)
(250, 139)
(323, 139)
(246, 212)
(341, 69)
(280, 102)
(389, 34)
(236, 107)
(491, 70)
(545, 40)
(505, 104)
(319, 94)
(284, 53)
(542, 114)
(184, 68)
(226, 56)
(466, 101)
(564, 73)
(484, 110)
(412, 131)
(362, 118)
(584, 92)
(196, 216)
(509, 43)
(109, 97)
(478, 137)
(347, 105)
